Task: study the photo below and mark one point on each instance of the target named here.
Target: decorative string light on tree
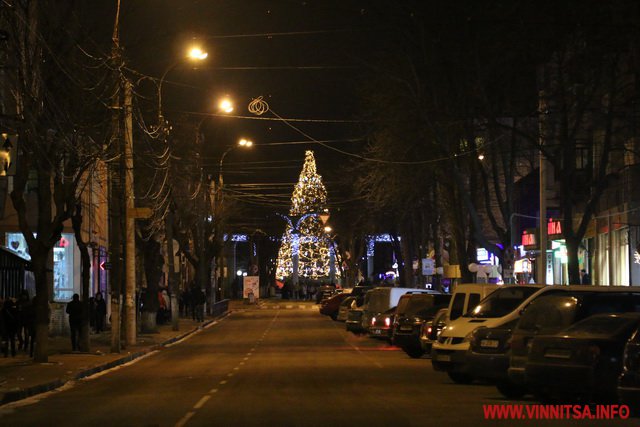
(309, 240)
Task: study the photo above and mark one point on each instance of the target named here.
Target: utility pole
(173, 283)
(130, 222)
(115, 207)
(542, 259)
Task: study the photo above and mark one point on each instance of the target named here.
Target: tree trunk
(85, 344)
(41, 351)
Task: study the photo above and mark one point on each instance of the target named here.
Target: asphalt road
(272, 367)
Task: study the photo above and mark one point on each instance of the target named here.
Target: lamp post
(242, 143)
(194, 54)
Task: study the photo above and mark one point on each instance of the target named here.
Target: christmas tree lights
(305, 233)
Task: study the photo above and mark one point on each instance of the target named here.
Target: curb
(16, 395)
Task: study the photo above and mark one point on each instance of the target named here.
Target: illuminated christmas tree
(313, 246)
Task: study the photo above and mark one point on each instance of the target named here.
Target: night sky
(305, 58)
(308, 59)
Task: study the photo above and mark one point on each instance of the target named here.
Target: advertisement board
(251, 284)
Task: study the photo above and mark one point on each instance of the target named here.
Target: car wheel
(460, 378)
(414, 352)
(511, 390)
(333, 316)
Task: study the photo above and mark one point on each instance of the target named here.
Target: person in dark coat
(101, 312)
(23, 304)
(585, 279)
(74, 310)
(29, 319)
(10, 322)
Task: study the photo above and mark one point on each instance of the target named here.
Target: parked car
(499, 307)
(582, 362)
(325, 292)
(414, 309)
(354, 320)
(555, 311)
(382, 324)
(344, 308)
(629, 382)
(488, 357)
(329, 307)
(431, 330)
(379, 300)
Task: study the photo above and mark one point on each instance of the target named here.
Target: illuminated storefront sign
(530, 239)
(554, 228)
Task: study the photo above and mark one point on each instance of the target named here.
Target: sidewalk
(20, 377)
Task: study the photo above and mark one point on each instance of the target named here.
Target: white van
(466, 296)
(501, 307)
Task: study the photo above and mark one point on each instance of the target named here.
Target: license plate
(443, 357)
(558, 353)
(489, 343)
(406, 328)
(376, 331)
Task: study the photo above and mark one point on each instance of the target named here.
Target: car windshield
(501, 302)
(602, 325)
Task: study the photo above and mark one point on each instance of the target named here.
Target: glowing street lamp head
(245, 143)
(197, 54)
(226, 106)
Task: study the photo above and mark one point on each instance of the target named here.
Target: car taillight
(387, 321)
(373, 321)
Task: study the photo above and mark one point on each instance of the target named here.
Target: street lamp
(244, 143)
(194, 54)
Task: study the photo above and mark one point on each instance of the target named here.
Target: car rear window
(602, 325)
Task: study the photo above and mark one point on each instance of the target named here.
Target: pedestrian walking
(74, 310)
(9, 314)
(101, 312)
(29, 319)
(200, 300)
(22, 308)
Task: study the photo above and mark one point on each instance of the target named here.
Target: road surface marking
(223, 382)
(184, 419)
(236, 368)
(213, 390)
(230, 374)
(201, 402)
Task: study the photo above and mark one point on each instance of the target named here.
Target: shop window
(62, 262)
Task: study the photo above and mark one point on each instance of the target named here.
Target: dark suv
(413, 311)
(550, 314)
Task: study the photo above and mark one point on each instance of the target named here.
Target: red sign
(530, 239)
(554, 227)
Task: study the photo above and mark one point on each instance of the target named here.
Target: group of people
(97, 315)
(17, 323)
(192, 303)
